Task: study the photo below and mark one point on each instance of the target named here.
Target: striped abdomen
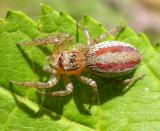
(112, 57)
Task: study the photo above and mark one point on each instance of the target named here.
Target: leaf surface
(22, 109)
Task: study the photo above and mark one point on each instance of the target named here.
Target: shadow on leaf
(36, 68)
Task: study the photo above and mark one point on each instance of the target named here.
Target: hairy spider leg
(93, 85)
(54, 40)
(48, 69)
(50, 66)
(106, 34)
(131, 81)
(40, 85)
(60, 41)
(68, 90)
(89, 82)
(86, 33)
(101, 37)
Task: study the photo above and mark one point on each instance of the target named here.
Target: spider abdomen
(112, 58)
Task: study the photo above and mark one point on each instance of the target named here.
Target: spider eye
(76, 65)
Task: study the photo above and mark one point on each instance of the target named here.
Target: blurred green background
(141, 15)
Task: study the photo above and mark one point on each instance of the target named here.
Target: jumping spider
(107, 59)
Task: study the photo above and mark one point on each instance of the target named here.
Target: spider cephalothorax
(108, 58)
(67, 61)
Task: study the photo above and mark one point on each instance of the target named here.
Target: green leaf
(22, 109)
(19, 113)
(157, 47)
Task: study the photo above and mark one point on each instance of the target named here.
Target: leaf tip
(45, 6)
(86, 17)
(61, 13)
(14, 13)
(8, 13)
(144, 37)
(67, 16)
(157, 44)
(46, 9)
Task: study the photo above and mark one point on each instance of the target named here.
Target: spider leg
(42, 41)
(68, 87)
(54, 40)
(40, 85)
(86, 33)
(131, 81)
(89, 82)
(47, 68)
(93, 85)
(106, 34)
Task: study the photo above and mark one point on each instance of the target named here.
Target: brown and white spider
(109, 59)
